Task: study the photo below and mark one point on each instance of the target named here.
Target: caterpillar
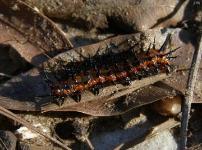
(99, 71)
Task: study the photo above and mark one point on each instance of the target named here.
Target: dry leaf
(31, 89)
(185, 53)
(29, 32)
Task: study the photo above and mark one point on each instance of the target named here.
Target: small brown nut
(170, 106)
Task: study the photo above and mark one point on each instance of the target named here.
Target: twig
(5, 75)
(4, 145)
(196, 147)
(18, 119)
(149, 134)
(89, 143)
(169, 16)
(189, 94)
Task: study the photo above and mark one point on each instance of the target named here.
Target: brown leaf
(179, 79)
(31, 89)
(118, 105)
(29, 32)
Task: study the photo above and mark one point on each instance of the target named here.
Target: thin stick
(89, 143)
(5, 75)
(189, 94)
(18, 119)
(4, 145)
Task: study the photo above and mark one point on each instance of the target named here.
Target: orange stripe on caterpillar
(110, 78)
(120, 68)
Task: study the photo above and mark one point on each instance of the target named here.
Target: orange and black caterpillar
(99, 71)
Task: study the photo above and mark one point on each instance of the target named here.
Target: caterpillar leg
(127, 81)
(96, 89)
(59, 100)
(168, 69)
(77, 96)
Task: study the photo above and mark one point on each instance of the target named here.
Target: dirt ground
(143, 119)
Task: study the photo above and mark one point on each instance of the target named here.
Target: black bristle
(110, 63)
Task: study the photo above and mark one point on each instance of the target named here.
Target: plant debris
(129, 111)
